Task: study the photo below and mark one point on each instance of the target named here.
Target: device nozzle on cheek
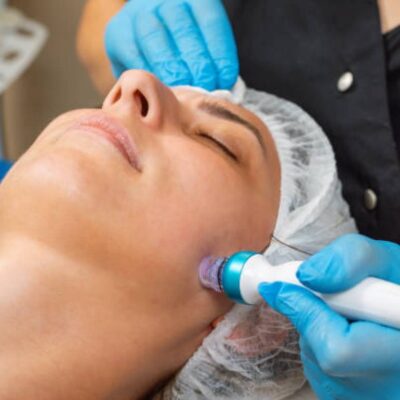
(209, 273)
(240, 275)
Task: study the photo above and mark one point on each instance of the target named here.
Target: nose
(140, 95)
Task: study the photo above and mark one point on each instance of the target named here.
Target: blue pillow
(4, 167)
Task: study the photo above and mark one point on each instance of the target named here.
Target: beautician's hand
(342, 360)
(181, 41)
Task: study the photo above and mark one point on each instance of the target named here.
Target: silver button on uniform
(345, 82)
(370, 199)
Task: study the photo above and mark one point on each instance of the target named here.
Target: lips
(111, 130)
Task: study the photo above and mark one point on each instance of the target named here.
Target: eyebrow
(220, 111)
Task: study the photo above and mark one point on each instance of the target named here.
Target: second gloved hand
(343, 360)
(183, 42)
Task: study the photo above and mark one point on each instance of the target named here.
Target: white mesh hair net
(253, 353)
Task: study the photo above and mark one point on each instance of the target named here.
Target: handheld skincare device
(240, 275)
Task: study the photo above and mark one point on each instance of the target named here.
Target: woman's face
(146, 188)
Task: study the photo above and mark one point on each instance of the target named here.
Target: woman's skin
(97, 13)
(99, 296)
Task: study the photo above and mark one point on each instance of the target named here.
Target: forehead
(196, 96)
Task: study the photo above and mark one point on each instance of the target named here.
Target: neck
(67, 331)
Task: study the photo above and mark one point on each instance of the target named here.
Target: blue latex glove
(182, 42)
(343, 360)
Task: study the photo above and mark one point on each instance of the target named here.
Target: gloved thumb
(347, 261)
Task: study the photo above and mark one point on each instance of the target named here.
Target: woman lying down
(106, 218)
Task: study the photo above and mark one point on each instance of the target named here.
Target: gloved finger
(365, 349)
(349, 260)
(190, 43)
(218, 35)
(160, 51)
(121, 47)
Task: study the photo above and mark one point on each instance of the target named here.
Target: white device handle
(372, 299)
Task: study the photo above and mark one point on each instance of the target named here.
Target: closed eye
(222, 146)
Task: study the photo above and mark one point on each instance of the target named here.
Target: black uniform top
(331, 58)
(392, 50)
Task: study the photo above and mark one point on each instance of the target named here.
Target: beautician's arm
(90, 41)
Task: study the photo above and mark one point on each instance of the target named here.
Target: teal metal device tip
(231, 275)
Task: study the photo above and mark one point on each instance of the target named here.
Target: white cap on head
(253, 353)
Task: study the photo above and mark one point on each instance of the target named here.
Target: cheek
(209, 202)
(58, 126)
